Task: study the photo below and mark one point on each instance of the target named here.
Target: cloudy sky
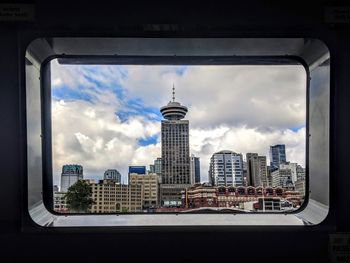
(107, 116)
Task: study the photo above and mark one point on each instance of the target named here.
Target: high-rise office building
(245, 174)
(263, 170)
(226, 169)
(71, 173)
(277, 156)
(156, 167)
(256, 170)
(175, 153)
(112, 174)
(195, 170)
(268, 176)
(137, 169)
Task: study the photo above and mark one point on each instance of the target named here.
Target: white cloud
(265, 96)
(242, 139)
(92, 135)
(87, 76)
(244, 109)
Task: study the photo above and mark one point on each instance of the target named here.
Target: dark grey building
(195, 170)
(256, 170)
(277, 156)
(175, 153)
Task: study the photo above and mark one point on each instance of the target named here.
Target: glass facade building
(226, 169)
(71, 173)
(277, 156)
(112, 174)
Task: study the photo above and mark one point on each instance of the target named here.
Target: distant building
(156, 168)
(55, 188)
(263, 170)
(112, 174)
(253, 175)
(110, 197)
(200, 196)
(137, 169)
(277, 156)
(282, 178)
(71, 173)
(195, 170)
(175, 153)
(245, 174)
(300, 187)
(226, 169)
(60, 202)
(268, 204)
(205, 196)
(293, 197)
(292, 167)
(300, 173)
(268, 176)
(150, 186)
(256, 170)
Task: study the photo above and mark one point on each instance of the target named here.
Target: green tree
(79, 198)
(125, 210)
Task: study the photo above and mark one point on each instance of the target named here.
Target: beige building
(300, 187)
(60, 202)
(111, 197)
(150, 187)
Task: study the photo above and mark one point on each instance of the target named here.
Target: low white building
(292, 167)
(282, 178)
(60, 202)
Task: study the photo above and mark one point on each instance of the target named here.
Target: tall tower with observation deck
(175, 153)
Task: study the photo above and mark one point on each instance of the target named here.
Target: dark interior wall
(247, 18)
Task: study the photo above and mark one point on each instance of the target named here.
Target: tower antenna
(173, 92)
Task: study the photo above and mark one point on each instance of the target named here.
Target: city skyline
(109, 112)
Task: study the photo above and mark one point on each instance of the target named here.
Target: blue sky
(148, 141)
(134, 106)
(107, 116)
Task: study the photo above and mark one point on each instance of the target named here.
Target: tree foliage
(79, 197)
